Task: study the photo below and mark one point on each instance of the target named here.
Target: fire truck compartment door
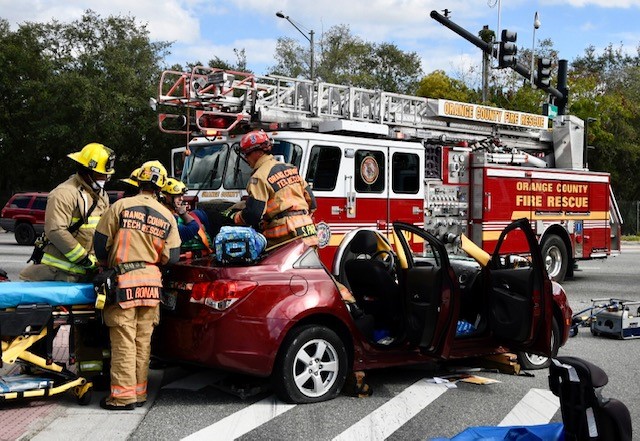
(431, 291)
(520, 295)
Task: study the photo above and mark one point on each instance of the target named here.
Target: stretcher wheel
(84, 394)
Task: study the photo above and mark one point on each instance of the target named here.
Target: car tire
(311, 366)
(555, 257)
(25, 234)
(531, 362)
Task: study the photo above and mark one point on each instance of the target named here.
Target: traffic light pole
(491, 50)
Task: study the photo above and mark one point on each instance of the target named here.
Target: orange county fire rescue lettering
(558, 196)
(491, 114)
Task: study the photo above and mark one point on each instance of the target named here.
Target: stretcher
(32, 312)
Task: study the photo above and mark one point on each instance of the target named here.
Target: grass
(631, 238)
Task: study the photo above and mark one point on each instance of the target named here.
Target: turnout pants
(130, 334)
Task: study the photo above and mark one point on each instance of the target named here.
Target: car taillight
(220, 294)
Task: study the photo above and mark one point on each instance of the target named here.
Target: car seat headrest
(586, 369)
(364, 242)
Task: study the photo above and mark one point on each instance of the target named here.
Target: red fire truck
(373, 157)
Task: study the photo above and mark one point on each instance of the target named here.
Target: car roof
(30, 193)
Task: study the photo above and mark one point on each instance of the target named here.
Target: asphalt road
(404, 406)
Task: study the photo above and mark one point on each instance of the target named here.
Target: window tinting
(405, 173)
(40, 203)
(324, 165)
(20, 202)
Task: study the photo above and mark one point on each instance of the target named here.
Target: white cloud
(625, 4)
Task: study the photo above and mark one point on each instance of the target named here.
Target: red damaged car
(283, 317)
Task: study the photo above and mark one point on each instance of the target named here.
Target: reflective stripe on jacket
(67, 204)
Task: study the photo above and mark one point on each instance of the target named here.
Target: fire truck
(373, 157)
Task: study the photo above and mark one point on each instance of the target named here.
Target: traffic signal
(543, 78)
(507, 50)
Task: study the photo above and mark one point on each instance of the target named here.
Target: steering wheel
(387, 258)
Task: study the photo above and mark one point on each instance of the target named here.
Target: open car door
(520, 294)
(430, 290)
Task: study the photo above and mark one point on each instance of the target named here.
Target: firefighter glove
(89, 262)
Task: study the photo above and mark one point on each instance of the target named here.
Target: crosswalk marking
(392, 415)
(243, 421)
(537, 407)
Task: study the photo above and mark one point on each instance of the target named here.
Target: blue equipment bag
(239, 245)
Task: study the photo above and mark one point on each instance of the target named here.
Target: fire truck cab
(374, 157)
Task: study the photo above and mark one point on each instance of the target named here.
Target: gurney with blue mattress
(32, 312)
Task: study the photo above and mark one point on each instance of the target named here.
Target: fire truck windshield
(216, 166)
(204, 167)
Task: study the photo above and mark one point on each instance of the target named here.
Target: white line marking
(537, 407)
(389, 417)
(243, 421)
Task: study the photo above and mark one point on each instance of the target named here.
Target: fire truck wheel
(311, 366)
(556, 260)
(532, 361)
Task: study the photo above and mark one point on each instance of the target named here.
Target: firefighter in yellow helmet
(135, 236)
(131, 182)
(193, 226)
(280, 202)
(73, 210)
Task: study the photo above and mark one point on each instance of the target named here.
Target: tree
(347, 59)
(438, 85)
(606, 87)
(64, 85)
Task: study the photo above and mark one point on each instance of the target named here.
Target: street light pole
(536, 25)
(309, 38)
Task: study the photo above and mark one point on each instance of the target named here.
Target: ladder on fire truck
(209, 101)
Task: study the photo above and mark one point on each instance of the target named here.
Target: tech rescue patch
(283, 175)
(145, 219)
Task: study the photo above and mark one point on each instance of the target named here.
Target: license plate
(169, 299)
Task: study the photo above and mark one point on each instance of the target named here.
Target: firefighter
(73, 210)
(193, 226)
(134, 237)
(131, 187)
(280, 202)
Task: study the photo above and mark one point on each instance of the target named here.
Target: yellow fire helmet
(154, 172)
(133, 178)
(96, 157)
(174, 187)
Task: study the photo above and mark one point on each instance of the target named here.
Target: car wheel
(556, 259)
(25, 234)
(311, 366)
(532, 361)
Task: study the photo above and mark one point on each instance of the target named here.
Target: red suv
(24, 215)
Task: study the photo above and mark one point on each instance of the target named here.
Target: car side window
(324, 165)
(369, 171)
(20, 202)
(405, 173)
(40, 203)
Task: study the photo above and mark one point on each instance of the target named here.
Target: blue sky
(202, 29)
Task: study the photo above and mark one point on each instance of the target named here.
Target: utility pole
(488, 36)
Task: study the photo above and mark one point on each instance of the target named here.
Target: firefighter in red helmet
(280, 202)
